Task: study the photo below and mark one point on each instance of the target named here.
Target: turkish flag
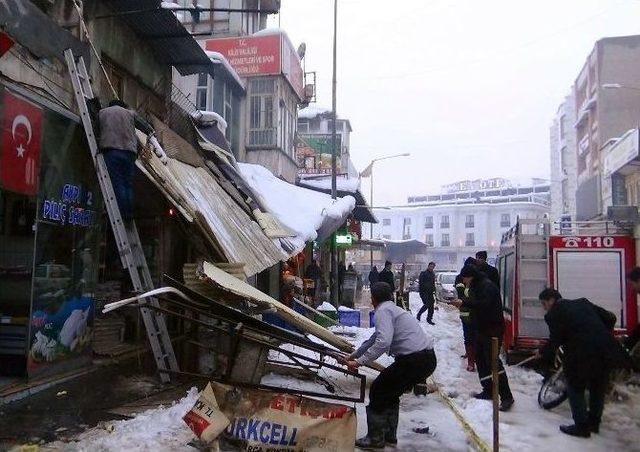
(20, 151)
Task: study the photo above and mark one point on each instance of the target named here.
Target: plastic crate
(349, 318)
(324, 322)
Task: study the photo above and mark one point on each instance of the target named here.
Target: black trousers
(402, 375)
(597, 386)
(483, 364)
(427, 305)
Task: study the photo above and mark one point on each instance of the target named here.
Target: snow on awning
(346, 187)
(312, 215)
(202, 201)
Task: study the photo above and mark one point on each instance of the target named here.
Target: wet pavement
(73, 406)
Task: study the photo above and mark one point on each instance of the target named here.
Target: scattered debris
(61, 393)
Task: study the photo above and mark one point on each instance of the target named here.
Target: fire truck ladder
(126, 234)
(533, 261)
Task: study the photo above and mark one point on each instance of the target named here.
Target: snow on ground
(158, 430)
(525, 428)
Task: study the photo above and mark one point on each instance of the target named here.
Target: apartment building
(314, 145)
(258, 84)
(564, 177)
(607, 105)
(466, 217)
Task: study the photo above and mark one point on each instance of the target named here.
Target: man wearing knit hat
(485, 305)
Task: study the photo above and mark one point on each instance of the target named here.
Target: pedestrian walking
(119, 145)
(398, 334)
(426, 289)
(485, 305)
(585, 332)
(489, 270)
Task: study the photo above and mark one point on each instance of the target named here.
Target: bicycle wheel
(553, 391)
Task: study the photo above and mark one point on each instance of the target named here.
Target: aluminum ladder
(126, 234)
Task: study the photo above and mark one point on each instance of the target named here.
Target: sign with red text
(20, 151)
(270, 421)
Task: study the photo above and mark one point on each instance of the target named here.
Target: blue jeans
(121, 165)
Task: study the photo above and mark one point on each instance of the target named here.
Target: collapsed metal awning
(164, 33)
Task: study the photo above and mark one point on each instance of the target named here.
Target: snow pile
(346, 309)
(301, 210)
(160, 429)
(169, 5)
(350, 185)
(326, 306)
(311, 111)
(204, 116)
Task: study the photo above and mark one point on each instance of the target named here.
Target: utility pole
(334, 290)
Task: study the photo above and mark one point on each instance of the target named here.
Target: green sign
(322, 143)
(344, 239)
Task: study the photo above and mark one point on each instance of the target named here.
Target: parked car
(445, 286)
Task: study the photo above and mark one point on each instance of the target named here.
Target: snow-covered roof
(309, 213)
(350, 185)
(218, 58)
(312, 111)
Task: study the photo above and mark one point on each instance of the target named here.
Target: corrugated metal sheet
(202, 200)
(168, 38)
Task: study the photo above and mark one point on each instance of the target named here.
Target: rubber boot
(471, 358)
(376, 428)
(390, 435)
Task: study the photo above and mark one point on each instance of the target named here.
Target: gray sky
(468, 87)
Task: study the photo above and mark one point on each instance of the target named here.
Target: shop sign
(20, 152)
(314, 152)
(73, 207)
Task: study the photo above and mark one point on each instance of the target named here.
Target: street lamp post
(368, 172)
(333, 286)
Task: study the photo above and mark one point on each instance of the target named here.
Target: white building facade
(464, 218)
(564, 161)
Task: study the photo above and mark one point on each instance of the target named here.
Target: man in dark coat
(426, 289)
(584, 331)
(387, 276)
(373, 276)
(490, 271)
(314, 272)
(485, 305)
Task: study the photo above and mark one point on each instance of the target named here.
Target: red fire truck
(580, 260)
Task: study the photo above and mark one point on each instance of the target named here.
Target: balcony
(583, 145)
(262, 138)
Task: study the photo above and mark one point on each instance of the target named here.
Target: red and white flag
(20, 151)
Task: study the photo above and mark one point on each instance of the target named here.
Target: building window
(469, 221)
(386, 222)
(201, 91)
(228, 109)
(470, 239)
(406, 229)
(303, 126)
(261, 130)
(505, 220)
(444, 240)
(428, 223)
(562, 126)
(428, 239)
(444, 222)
